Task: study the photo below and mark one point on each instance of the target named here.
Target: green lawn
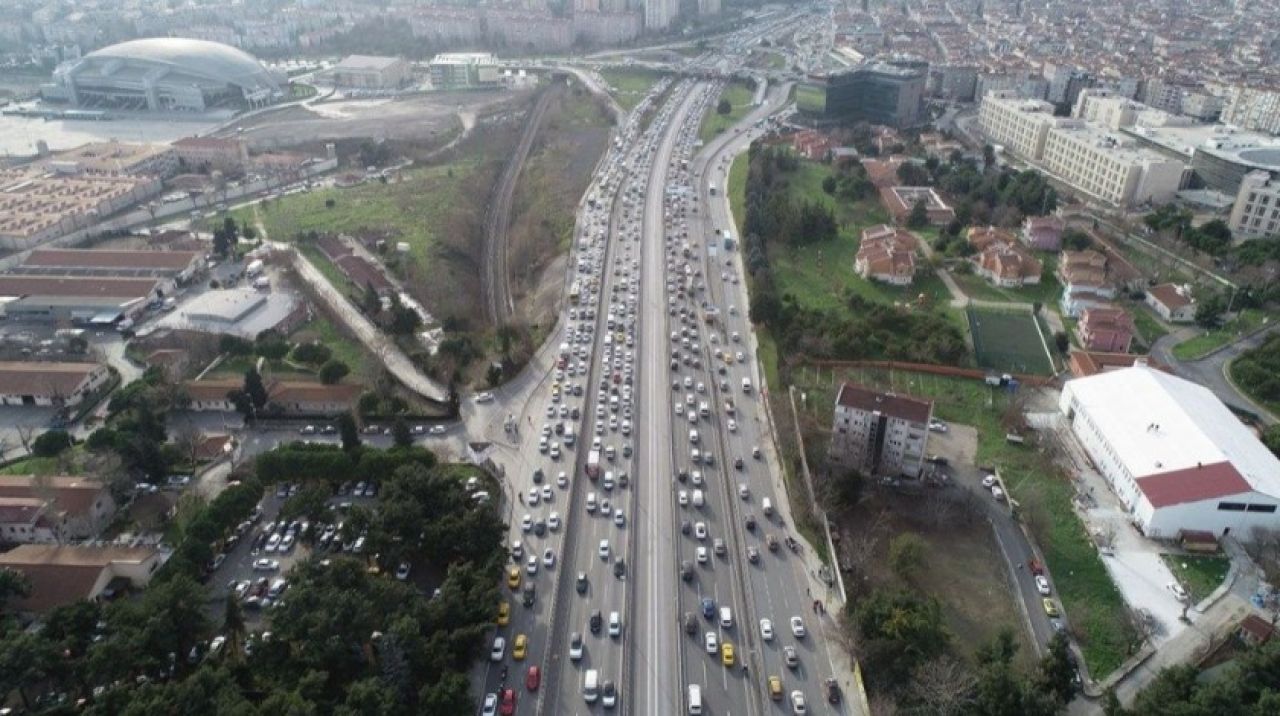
(1246, 321)
(629, 85)
(410, 210)
(32, 466)
(1095, 609)
(1149, 327)
(345, 349)
(739, 95)
(1047, 292)
(1200, 575)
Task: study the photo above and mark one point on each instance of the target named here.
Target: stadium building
(165, 74)
(1177, 458)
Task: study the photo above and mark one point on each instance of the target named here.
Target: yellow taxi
(513, 577)
(517, 651)
(504, 613)
(1050, 608)
(726, 653)
(775, 688)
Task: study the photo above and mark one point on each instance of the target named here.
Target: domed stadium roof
(211, 61)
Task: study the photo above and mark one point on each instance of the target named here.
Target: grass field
(1150, 329)
(1195, 348)
(1007, 341)
(630, 85)
(739, 95)
(738, 189)
(1200, 575)
(1098, 614)
(1046, 292)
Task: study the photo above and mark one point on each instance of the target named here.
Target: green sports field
(1008, 341)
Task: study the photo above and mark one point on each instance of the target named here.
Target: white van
(746, 385)
(591, 502)
(695, 700)
(569, 435)
(698, 499)
(726, 617)
(591, 686)
(766, 505)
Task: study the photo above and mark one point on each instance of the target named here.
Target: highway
(569, 402)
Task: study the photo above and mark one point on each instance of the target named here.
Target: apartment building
(1107, 329)
(1255, 109)
(1256, 212)
(879, 433)
(1110, 167)
(1020, 125)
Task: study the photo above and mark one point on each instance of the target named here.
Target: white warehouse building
(1176, 457)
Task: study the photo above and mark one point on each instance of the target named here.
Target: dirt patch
(961, 567)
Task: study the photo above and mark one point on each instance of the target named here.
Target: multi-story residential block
(658, 14)
(1108, 329)
(1085, 284)
(886, 254)
(1256, 109)
(1256, 212)
(1042, 233)
(58, 508)
(879, 433)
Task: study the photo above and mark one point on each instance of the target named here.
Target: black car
(751, 522)
(582, 583)
(737, 463)
(685, 527)
(596, 621)
(833, 691)
(686, 570)
(708, 607)
(537, 476)
(690, 623)
(530, 593)
(619, 568)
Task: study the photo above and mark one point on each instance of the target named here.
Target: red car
(508, 706)
(533, 678)
(1035, 567)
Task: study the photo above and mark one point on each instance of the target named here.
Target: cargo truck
(593, 464)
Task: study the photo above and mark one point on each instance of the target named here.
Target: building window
(1231, 506)
(1268, 509)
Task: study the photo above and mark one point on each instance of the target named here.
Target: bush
(314, 353)
(51, 443)
(333, 371)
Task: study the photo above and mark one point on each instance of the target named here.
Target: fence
(943, 370)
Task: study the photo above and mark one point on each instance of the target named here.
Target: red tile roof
(97, 258)
(53, 379)
(905, 407)
(1170, 296)
(1193, 484)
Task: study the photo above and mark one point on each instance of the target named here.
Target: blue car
(708, 607)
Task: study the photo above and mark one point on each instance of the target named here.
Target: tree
(371, 300)
(1057, 670)
(493, 376)
(233, 626)
(723, 107)
(912, 174)
(919, 216)
(313, 353)
(829, 185)
(906, 554)
(400, 432)
(1076, 240)
(51, 443)
(943, 686)
(12, 584)
(255, 389)
(272, 348)
(348, 431)
(333, 371)
(1209, 312)
(1062, 341)
(1271, 438)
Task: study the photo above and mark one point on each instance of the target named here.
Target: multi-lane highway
(663, 561)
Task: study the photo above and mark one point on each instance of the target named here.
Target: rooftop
(39, 378)
(366, 62)
(1158, 423)
(905, 407)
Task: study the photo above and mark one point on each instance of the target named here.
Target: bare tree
(1146, 624)
(26, 433)
(187, 439)
(944, 686)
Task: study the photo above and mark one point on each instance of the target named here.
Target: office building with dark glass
(889, 93)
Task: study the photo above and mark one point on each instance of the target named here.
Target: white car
(535, 497)
(526, 522)
(700, 530)
(575, 646)
(733, 425)
(562, 479)
(531, 565)
(797, 627)
(490, 705)
(711, 642)
(989, 481)
(1042, 585)
(402, 571)
(553, 521)
(701, 554)
(484, 397)
(547, 493)
(266, 565)
(615, 624)
(618, 518)
(604, 549)
(1178, 591)
(766, 630)
(499, 649)
(548, 558)
(683, 497)
(798, 705)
